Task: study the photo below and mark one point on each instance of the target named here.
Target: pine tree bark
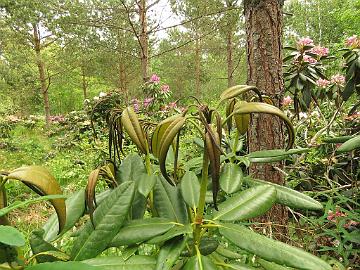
(264, 23)
(41, 68)
(144, 43)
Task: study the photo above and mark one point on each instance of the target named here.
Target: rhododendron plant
(287, 101)
(154, 78)
(322, 83)
(338, 79)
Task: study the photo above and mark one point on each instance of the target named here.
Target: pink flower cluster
(322, 83)
(333, 217)
(57, 118)
(164, 89)
(320, 51)
(338, 79)
(309, 59)
(305, 41)
(167, 107)
(353, 42)
(136, 105)
(154, 78)
(287, 101)
(147, 102)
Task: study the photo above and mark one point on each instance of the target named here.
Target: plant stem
(151, 194)
(201, 207)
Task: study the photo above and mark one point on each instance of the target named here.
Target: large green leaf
(238, 90)
(231, 178)
(273, 155)
(169, 253)
(11, 236)
(137, 262)
(137, 231)
(75, 207)
(39, 245)
(272, 266)
(270, 249)
(349, 145)
(63, 266)
(259, 107)
(168, 201)
(247, 204)
(40, 180)
(173, 232)
(199, 262)
(108, 219)
(146, 183)
(131, 168)
(288, 196)
(190, 189)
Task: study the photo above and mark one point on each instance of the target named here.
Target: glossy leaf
(349, 145)
(247, 204)
(137, 262)
(288, 196)
(175, 231)
(43, 183)
(62, 266)
(169, 253)
(259, 107)
(108, 219)
(199, 262)
(75, 207)
(140, 230)
(39, 245)
(146, 183)
(168, 202)
(237, 90)
(11, 236)
(231, 178)
(270, 249)
(190, 189)
(131, 168)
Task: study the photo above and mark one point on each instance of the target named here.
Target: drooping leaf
(108, 219)
(271, 250)
(231, 178)
(137, 262)
(349, 145)
(242, 121)
(133, 128)
(90, 191)
(288, 196)
(190, 189)
(169, 253)
(11, 236)
(274, 155)
(199, 262)
(75, 207)
(174, 232)
(259, 107)
(247, 204)
(41, 181)
(237, 90)
(140, 230)
(168, 202)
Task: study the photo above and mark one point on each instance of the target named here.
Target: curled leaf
(242, 121)
(237, 90)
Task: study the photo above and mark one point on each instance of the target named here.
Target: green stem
(201, 207)
(151, 195)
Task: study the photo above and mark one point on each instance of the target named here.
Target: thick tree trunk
(264, 33)
(41, 68)
(144, 44)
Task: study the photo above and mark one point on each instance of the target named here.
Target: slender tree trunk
(84, 82)
(144, 43)
(197, 66)
(264, 23)
(41, 68)
(230, 61)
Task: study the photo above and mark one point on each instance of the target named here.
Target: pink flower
(172, 105)
(306, 41)
(147, 102)
(322, 83)
(320, 51)
(155, 78)
(165, 89)
(338, 79)
(353, 42)
(287, 101)
(136, 105)
(309, 59)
